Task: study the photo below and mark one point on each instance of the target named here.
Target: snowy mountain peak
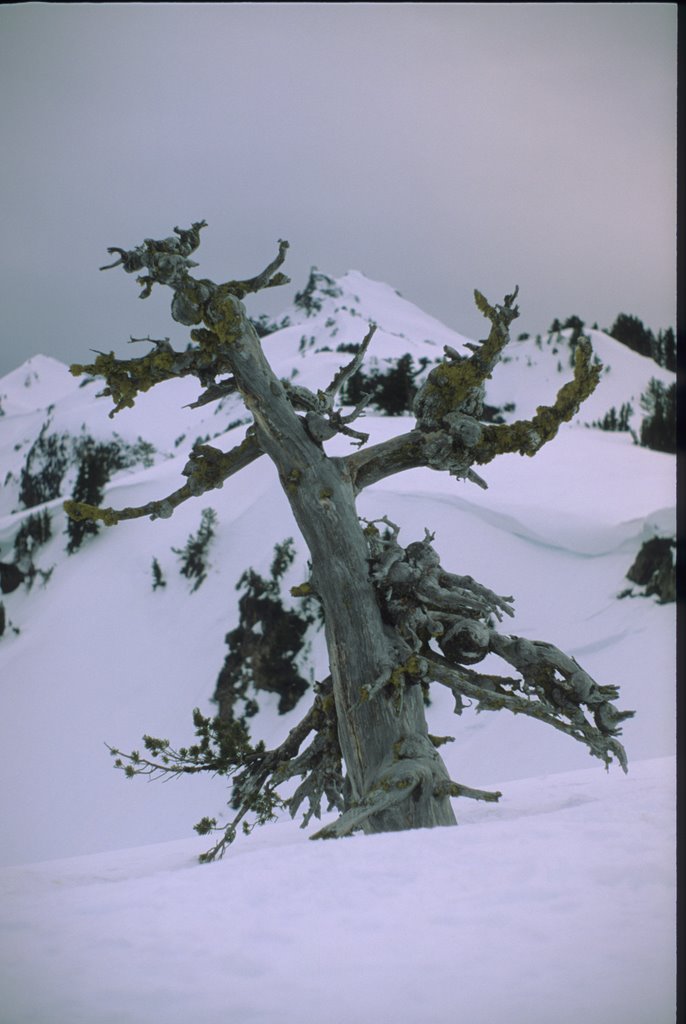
(337, 311)
(37, 383)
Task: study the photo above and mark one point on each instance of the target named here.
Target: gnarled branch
(495, 693)
(206, 469)
(449, 435)
(127, 378)
(528, 436)
(322, 420)
(224, 748)
(268, 278)
(428, 606)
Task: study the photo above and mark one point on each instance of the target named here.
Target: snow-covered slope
(555, 904)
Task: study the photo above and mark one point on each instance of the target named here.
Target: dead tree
(395, 620)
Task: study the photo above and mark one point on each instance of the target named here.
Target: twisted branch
(268, 278)
(449, 435)
(323, 421)
(428, 606)
(206, 469)
(528, 436)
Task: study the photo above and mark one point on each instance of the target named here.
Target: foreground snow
(557, 904)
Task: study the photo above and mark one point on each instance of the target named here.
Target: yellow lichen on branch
(501, 317)
(80, 511)
(126, 378)
(207, 468)
(457, 384)
(528, 436)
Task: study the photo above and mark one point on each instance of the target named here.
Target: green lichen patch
(127, 378)
(528, 436)
(457, 384)
(449, 385)
(301, 590)
(292, 480)
(80, 511)
(439, 741)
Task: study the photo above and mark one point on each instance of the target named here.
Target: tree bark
(391, 763)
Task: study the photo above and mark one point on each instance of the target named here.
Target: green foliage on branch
(224, 748)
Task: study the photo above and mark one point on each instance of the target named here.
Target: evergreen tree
(576, 324)
(34, 531)
(625, 414)
(96, 463)
(655, 570)
(396, 389)
(658, 430)
(669, 350)
(609, 421)
(158, 579)
(265, 645)
(632, 333)
(41, 476)
(11, 577)
(193, 556)
(612, 421)
(391, 392)
(664, 351)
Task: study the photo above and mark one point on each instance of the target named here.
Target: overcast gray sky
(437, 147)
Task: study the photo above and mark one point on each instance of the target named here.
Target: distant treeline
(633, 333)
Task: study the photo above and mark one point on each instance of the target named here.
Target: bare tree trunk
(374, 735)
(391, 763)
